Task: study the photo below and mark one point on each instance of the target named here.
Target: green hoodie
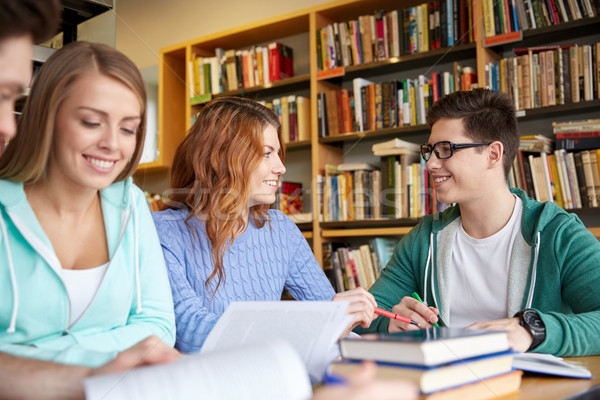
(554, 269)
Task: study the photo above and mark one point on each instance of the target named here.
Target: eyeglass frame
(453, 148)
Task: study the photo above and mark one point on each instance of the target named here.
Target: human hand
(362, 385)
(361, 308)
(416, 311)
(149, 351)
(519, 339)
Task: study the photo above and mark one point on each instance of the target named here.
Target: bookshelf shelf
(301, 145)
(377, 134)
(412, 61)
(284, 85)
(338, 233)
(369, 224)
(302, 27)
(563, 109)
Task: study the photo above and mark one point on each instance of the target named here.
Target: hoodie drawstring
(13, 280)
(427, 264)
(533, 273)
(136, 254)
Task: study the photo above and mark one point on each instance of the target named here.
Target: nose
(279, 168)
(8, 125)
(109, 138)
(433, 161)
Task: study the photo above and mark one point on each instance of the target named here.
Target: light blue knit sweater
(259, 264)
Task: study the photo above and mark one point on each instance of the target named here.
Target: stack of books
(445, 363)
(577, 135)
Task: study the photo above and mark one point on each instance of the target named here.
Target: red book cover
(340, 111)
(290, 198)
(281, 61)
(434, 86)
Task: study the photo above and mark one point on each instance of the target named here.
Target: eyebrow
(271, 148)
(134, 117)
(14, 86)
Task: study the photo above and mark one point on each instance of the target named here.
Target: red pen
(394, 316)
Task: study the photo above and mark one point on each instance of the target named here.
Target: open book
(311, 327)
(265, 350)
(266, 370)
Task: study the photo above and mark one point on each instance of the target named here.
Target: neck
(56, 198)
(488, 214)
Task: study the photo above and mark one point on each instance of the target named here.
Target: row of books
(348, 268)
(294, 115)
(501, 17)
(383, 35)
(237, 69)
(379, 105)
(400, 188)
(569, 179)
(549, 75)
(350, 192)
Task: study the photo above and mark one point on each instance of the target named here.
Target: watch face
(532, 319)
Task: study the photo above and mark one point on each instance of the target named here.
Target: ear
(495, 152)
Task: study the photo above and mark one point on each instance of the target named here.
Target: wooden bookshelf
(175, 110)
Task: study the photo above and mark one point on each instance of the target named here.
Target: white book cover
(358, 83)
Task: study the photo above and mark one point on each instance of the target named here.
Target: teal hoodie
(133, 301)
(554, 269)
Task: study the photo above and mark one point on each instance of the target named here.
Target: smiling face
(461, 177)
(94, 133)
(264, 179)
(15, 74)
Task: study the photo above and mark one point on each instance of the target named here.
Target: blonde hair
(212, 167)
(27, 155)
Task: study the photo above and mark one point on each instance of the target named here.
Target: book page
(261, 370)
(311, 327)
(549, 364)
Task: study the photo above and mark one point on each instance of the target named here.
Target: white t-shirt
(478, 275)
(82, 285)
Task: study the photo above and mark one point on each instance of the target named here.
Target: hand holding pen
(418, 311)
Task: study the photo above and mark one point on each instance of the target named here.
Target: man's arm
(26, 378)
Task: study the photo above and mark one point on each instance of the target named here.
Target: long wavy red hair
(212, 167)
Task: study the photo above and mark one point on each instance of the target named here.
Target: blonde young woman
(220, 240)
(82, 276)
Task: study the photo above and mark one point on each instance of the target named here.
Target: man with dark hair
(22, 23)
(498, 256)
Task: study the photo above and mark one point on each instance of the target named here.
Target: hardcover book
(428, 347)
(433, 379)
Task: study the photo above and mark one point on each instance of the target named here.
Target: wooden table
(546, 387)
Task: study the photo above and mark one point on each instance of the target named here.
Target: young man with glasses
(497, 259)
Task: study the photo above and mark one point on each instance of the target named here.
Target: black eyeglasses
(445, 149)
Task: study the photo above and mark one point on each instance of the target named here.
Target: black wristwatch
(530, 320)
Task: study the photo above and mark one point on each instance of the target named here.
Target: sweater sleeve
(577, 253)
(193, 320)
(306, 279)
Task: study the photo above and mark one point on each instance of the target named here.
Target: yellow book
(303, 110)
(285, 120)
(425, 25)
(558, 190)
